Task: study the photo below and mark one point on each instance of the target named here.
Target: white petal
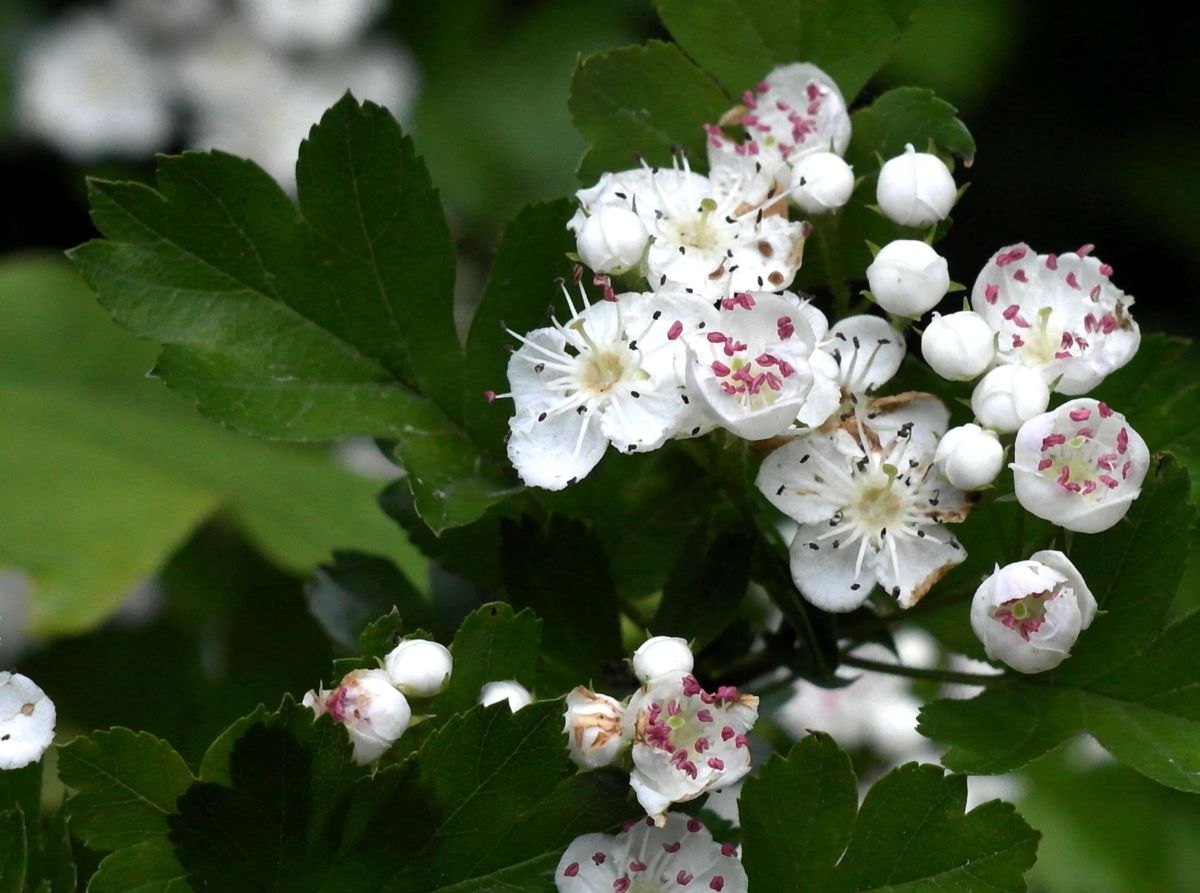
(870, 352)
(825, 396)
(643, 422)
(826, 575)
(788, 478)
(27, 719)
(917, 563)
(550, 453)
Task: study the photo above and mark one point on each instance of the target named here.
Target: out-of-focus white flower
(686, 741)
(970, 457)
(91, 91)
(168, 18)
(680, 855)
(419, 668)
(26, 721)
(509, 690)
(309, 24)
(908, 277)
(612, 240)
(821, 182)
(1008, 396)
(1058, 314)
(1028, 614)
(593, 725)
(915, 189)
(660, 655)
(869, 511)
(1079, 466)
(369, 706)
(958, 346)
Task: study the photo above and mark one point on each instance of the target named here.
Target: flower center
(1025, 614)
(601, 370)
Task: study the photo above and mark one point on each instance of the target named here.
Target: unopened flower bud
(419, 668)
(369, 706)
(593, 727)
(660, 655)
(821, 182)
(26, 721)
(908, 278)
(612, 240)
(915, 189)
(970, 457)
(958, 346)
(1028, 614)
(510, 690)
(1008, 396)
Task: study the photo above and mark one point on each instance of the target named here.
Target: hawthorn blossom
(27, 719)
(821, 182)
(855, 358)
(915, 189)
(750, 368)
(958, 346)
(704, 239)
(419, 668)
(373, 711)
(644, 857)
(1079, 466)
(309, 24)
(610, 374)
(1028, 614)
(593, 726)
(1009, 396)
(1058, 314)
(908, 278)
(796, 111)
(510, 690)
(660, 655)
(970, 457)
(870, 507)
(686, 741)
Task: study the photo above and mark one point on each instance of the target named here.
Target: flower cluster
(683, 740)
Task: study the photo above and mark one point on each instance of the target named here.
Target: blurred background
(137, 538)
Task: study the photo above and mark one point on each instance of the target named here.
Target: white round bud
(1028, 614)
(970, 457)
(1008, 396)
(419, 668)
(660, 655)
(510, 690)
(612, 240)
(592, 723)
(372, 710)
(821, 182)
(915, 189)
(958, 346)
(27, 719)
(908, 278)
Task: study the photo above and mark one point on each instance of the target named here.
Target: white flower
(970, 457)
(592, 723)
(610, 374)
(915, 189)
(796, 111)
(1079, 466)
(509, 690)
(419, 668)
(821, 182)
(958, 346)
(309, 24)
(660, 655)
(612, 240)
(686, 741)
(1058, 314)
(1028, 614)
(908, 277)
(91, 91)
(369, 706)
(1008, 396)
(26, 721)
(751, 367)
(645, 858)
(870, 509)
(168, 18)
(854, 359)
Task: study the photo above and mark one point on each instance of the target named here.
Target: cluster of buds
(27, 720)
(683, 741)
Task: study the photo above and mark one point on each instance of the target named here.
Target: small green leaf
(902, 116)
(149, 867)
(126, 785)
(493, 644)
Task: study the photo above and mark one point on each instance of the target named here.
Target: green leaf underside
(740, 41)
(126, 783)
(800, 832)
(1130, 682)
(330, 325)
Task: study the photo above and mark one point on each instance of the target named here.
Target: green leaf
(740, 41)
(704, 592)
(561, 573)
(12, 851)
(149, 867)
(126, 785)
(347, 595)
(909, 834)
(641, 100)
(59, 873)
(1129, 682)
(304, 329)
(21, 789)
(92, 450)
(493, 644)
